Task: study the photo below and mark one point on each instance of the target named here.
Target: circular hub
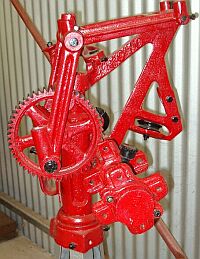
(50, 166)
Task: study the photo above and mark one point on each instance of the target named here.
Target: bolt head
(72, 246)
(146, 137)
(175, 119)
(50, 166)
(106, 228)
(49, 44)
(157, 213)
(76, 28)
(110, 199)
(73, 42)
(183, 18)
(194, 16)
(127, 152)
(169, 99)
(33, 150)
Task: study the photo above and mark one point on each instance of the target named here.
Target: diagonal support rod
(170, 240)
(31, 27)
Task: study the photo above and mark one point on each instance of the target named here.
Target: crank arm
(62, 98)
(48, 139)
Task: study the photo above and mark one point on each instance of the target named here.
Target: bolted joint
(127, 153)
(146, 137)
(33, 150)
(175, 119)
(72, 246)
(110, 199)
(50, 166)
(73, 42)
(76, 28)
(169, 99)
(184, 18)
(194, 16)
(157, 214)
(106, 228)
(49, 44)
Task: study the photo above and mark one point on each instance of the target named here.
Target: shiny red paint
(125, 197)
(139, 163)
(75, 158)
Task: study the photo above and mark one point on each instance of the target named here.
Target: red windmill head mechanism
(66, 142)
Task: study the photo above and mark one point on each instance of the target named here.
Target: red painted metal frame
(124, 197)
(157, 29)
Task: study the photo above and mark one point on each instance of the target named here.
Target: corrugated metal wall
(23, 69)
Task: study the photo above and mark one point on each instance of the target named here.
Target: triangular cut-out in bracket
(152, 101)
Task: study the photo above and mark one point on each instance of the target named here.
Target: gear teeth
(9, 126)
(17, 108)
(10, 131)
(13, 113)
(34, 94)
(50, 90)
(14, 155)
(44, 90)
(11, 121)
(13, 116)
(28, 165)
(21, 103)
(28, 98)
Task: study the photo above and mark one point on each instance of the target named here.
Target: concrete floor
(22, 248)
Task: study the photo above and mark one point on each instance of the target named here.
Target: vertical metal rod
(170, 240)
(95, 253)
(31, 26)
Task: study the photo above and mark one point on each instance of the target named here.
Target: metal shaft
(95, 253)
(31, 26)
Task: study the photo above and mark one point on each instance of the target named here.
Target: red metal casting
(124, 197)
(70, 153)
(81, 136)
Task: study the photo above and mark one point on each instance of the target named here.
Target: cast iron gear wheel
(83, 132)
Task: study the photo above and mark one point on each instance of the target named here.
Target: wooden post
(7, 227)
